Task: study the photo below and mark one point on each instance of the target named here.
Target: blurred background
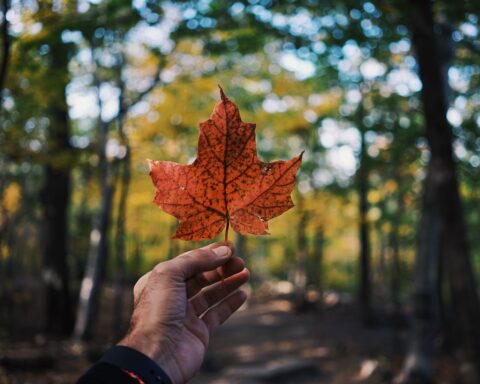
(371, 278)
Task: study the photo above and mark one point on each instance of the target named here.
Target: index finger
(188, 264)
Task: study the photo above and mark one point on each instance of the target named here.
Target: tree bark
(443, 230)
(4, 225)
(317, 256)
(97, 255)
(98, 249)
(301, 278)
(364, 289)
(120, 250)
(55, 201)
(394, 236)
(394, 239)
(5, 50)
(120, 239)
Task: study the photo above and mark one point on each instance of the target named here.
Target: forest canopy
(381, 95)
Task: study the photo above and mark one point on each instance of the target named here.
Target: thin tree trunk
(394, 238)
(418, 365)
(382, 250)
(302, 253)
(5, 49)
(364, 289)
(98, 249)
(120, 247)
(395, 277)
(55, 201)
(443, 230)
(317, 256)
(4, 227)
(125, 165)
(96, 262)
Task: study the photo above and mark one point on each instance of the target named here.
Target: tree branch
(125, 108)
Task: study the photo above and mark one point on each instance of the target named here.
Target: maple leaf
(227, 184)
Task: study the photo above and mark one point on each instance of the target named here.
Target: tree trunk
(418, 365)
(301, 282)
(120, 247)
(125, 171)
(55, 200)
(443, 230)
(363, 230)
(317, 257)
(382, 252)
(5, 50)
(97, 258)
(98, 249)
(394, 236)
(395, 276)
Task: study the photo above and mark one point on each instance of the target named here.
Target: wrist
(154, 349)
(135, 364)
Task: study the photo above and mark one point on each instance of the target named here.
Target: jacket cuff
(133, 361)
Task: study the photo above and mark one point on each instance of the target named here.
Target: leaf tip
(299, 158)
(222, 94)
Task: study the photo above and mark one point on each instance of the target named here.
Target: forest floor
(266, 341)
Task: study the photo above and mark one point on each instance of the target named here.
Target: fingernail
(222, 251)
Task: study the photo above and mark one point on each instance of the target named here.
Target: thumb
(201, 260)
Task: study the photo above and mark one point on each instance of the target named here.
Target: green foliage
(348, 57)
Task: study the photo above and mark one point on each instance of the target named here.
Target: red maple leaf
(227, 184)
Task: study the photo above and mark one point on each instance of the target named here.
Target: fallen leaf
(227, 184)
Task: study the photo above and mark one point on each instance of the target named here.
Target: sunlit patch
(367, 369)
(302, 69)
(319, 352)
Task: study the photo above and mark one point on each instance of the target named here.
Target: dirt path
(268, 342)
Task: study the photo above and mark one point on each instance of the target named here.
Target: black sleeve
(123, 365)
(104, 373)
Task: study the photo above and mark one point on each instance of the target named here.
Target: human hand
(175, 307)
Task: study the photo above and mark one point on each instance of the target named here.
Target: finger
(204, 279)
(213, 294)
(219, 244)
(199, 260)
(218, 314)
(163, 266)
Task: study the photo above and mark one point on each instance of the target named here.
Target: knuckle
(162, 268)
(136, 288)
(159, 268)
(140, 285)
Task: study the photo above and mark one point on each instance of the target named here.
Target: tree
(56, 188)
(364, 286)
(442, 231)
(55, 200)
(97, 254)
(5, 49)
(109, 169)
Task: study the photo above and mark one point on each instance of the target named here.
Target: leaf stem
(226, 243)
(226, 230)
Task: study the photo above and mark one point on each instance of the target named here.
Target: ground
(267, 341)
